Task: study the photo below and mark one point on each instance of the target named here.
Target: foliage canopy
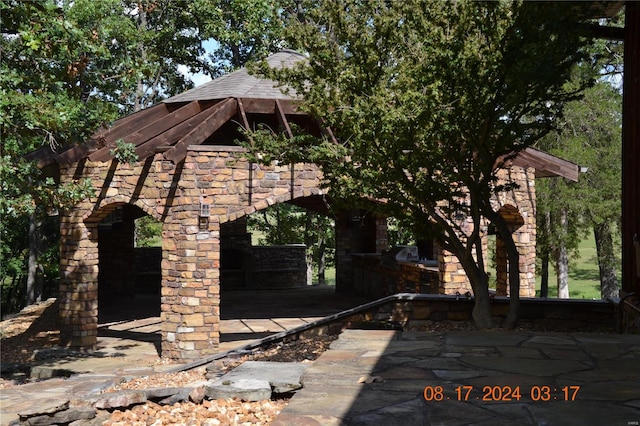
(426, 98)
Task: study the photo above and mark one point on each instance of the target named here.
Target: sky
(200, 78)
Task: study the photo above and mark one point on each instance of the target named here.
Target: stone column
(78, 281)
(356, 232)
(190, 304)
(190, 292)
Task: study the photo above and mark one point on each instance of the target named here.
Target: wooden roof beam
(282, 118)
(224, 111)
(163, 141)
(268, 106)
(244, 121)
(154, 128)
(326, 131)
(120, 128)
(46, 155)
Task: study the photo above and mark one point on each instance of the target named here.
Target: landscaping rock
(247, 389)
(100, 418)
(197, 395)
(119, 399)
(161, 393)
(61, 417)
(50, 406)
(181, 396)
(283, 377)
(41, 372)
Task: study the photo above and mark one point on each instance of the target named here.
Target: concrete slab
(289, 323)
(262, 325)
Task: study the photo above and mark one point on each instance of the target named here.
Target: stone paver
(130, 347)
(283, 377)
(462, 378)
(605, 366)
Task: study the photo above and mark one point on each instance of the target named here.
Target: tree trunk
(514, 284)
(480, 285)
(544, 258)
(322, 264)
(544, 275)
(513, 257)
(606, 260)
(562, 258)
(34, 293)
(481, 308)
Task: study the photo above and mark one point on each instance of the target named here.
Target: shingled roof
(241, 84)
(192, 117)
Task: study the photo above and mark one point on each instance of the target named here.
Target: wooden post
(631, 147)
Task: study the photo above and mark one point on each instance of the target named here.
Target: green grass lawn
(329, 276)
(584, 277)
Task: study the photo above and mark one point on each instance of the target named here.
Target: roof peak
(241, 84)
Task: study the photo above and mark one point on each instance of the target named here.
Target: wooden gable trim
(546, 165)
(46, 155)
(220, 114)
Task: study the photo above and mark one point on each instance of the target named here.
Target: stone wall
(518, 207)
(376, 279)
(190, 294)
(448, 277)
(550, 314)
(279, 266)
(357, 232)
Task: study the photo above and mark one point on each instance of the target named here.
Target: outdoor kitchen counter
(431, 266)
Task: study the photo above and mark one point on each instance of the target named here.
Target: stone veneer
(191, 247)
(190, 309)
(374, 279)
(518, 207)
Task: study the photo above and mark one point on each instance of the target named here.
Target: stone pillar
(78, 281)
(453, 277)
(190, 303)
(382, 239)
(356, 232)
(190, 309)
(344, 268)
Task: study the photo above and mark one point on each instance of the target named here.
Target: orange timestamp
(501, 393)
